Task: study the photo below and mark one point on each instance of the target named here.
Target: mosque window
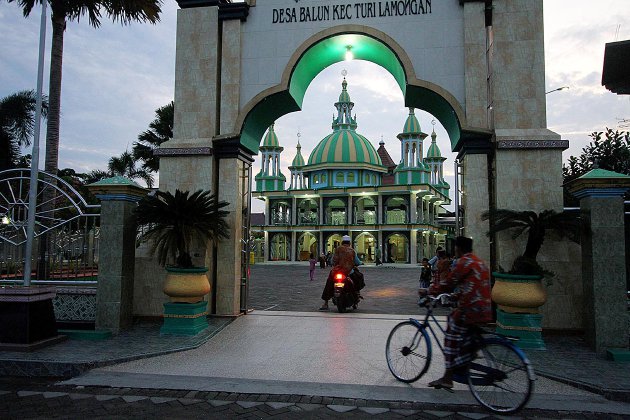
(323, 178)
(316, 179)
(367, 178)
(374, 179)
(350, 177)
(340, 178)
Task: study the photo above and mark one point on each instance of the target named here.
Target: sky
(115, 77)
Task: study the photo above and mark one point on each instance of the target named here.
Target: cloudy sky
(115, 77)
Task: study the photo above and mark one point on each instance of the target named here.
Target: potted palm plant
(520, 292)
(521, 289)
(175, 223)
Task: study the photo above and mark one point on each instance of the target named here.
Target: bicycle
(500, 376)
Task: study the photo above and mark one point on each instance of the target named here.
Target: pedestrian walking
(322, 261)
(312, 263)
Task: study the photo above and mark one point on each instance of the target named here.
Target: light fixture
(5, 220)
(349, 55)
(557, 89)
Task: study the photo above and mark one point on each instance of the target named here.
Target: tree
(17, 123)
(536, 225)
(609, 150)
(160, 130)
(124, 11)
(123, 165)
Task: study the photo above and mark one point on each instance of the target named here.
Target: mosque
(347, 187)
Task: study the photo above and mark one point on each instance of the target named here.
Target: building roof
(298, 160)
(386, 159)
(344, 96)
(344, 146)
(271, 139)
(412, 125)
(603, 174)
(434, 150)
(615, 75)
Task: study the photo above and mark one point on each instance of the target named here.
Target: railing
(66, 243)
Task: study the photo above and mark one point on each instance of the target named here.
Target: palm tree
(536, 225)
(125, 11)
(17, 122)
(125, 165)
(177, 222)
(160, 130)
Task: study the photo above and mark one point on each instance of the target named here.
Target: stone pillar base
(526, 327)
(27, 318)
(184, 318)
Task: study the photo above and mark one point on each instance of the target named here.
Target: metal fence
(67, 229)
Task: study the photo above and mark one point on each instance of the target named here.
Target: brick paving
(23, 400)
(390, 289)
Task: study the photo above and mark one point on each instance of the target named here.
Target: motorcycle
(345, 296)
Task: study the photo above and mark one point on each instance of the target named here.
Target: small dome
(298, 160)
(271, 139)
(345, 147)
(412, 125)
(344, 96)
(434, 150)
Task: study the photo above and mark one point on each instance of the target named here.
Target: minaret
(344, 107)
(435, 163)
(297, 174)
(270, 178)
(411, 169)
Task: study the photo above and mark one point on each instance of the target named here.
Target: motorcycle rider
(344, 261)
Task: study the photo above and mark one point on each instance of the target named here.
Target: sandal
(324, 308)
(441, 383)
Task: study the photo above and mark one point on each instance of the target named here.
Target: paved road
(286, 287)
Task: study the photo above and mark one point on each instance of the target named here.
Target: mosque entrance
(241, 66)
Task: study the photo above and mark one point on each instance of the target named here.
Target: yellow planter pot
(188, 285)
(518, 294)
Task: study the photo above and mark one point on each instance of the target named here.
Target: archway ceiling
(332, 50)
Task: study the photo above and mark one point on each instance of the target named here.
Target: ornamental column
(603, 239)
(114, 295)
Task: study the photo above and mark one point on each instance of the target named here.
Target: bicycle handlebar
(433, 300)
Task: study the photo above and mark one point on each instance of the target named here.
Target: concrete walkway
(311, 354)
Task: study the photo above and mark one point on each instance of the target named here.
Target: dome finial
(382, 142)
(433, 135)
(298, 136)
(411, 110)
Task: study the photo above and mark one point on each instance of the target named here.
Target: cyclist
(470, 282)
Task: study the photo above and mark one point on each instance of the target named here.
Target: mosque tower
(270, 178)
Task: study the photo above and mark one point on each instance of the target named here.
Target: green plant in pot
(175, 223)
(520, 290)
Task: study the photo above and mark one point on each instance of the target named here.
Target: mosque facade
(347, 187)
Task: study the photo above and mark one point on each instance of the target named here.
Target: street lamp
(557, 89)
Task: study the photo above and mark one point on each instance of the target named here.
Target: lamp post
(557, 89)
(32, 194)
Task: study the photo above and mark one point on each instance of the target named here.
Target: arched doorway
(335, 212)
(365, 246)
(333, 241)
(397, 248)
(365, 211)
(280, 247)
(308, 212)
(280, 213)
(396, 211)
(306, 245)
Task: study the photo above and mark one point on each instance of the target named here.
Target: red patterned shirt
(470, 281)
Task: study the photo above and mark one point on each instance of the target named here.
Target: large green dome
(345, 147)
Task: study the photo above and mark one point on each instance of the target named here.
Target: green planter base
(526, 327)
(184, 318)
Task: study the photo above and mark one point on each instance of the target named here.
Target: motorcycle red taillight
(338, 276)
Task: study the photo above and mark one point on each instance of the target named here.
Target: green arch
(332, 50)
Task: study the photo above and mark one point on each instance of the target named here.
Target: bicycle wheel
(500, 377)
(408, 352)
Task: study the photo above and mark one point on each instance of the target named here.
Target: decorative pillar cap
(599, 183)
(117, 188)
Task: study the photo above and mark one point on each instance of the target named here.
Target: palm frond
(178, 221)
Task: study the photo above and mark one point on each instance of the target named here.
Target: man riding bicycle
(470, 283)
